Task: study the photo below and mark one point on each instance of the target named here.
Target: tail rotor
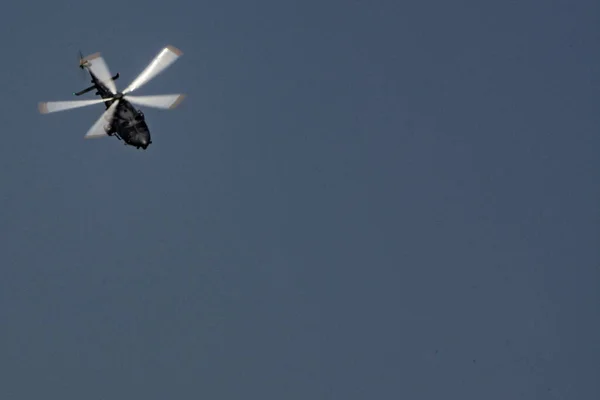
(82, 63)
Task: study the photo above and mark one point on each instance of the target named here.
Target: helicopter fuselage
(128, 123)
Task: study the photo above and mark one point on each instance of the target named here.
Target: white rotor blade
(97, 130)
(54, 106)
(164, 101)
(98, 66)
(166, 57)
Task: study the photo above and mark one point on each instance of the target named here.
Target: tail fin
(83, 61)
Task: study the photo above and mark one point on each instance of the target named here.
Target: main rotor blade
(166, 57)
(97, 130)
(98, 66)
(164, 101)
(54, 106)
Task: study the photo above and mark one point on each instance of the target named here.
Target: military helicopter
(120, 118)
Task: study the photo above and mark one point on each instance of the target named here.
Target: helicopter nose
(143, 141)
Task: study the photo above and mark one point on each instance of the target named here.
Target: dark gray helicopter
(121, 118)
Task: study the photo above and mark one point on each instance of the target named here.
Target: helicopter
(120, 118)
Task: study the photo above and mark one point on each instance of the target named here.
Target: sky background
(356, 200)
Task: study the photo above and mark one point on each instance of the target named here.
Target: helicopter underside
(129, 125)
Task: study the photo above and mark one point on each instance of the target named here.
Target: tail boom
(94, 86)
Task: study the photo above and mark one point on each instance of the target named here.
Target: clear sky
(357, 200)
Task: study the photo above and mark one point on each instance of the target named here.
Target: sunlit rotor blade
(98, 66)
(97, 130)
(166, 57)
(54, 106)
(164, 101)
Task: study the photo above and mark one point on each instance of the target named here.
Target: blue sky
(355, 200)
